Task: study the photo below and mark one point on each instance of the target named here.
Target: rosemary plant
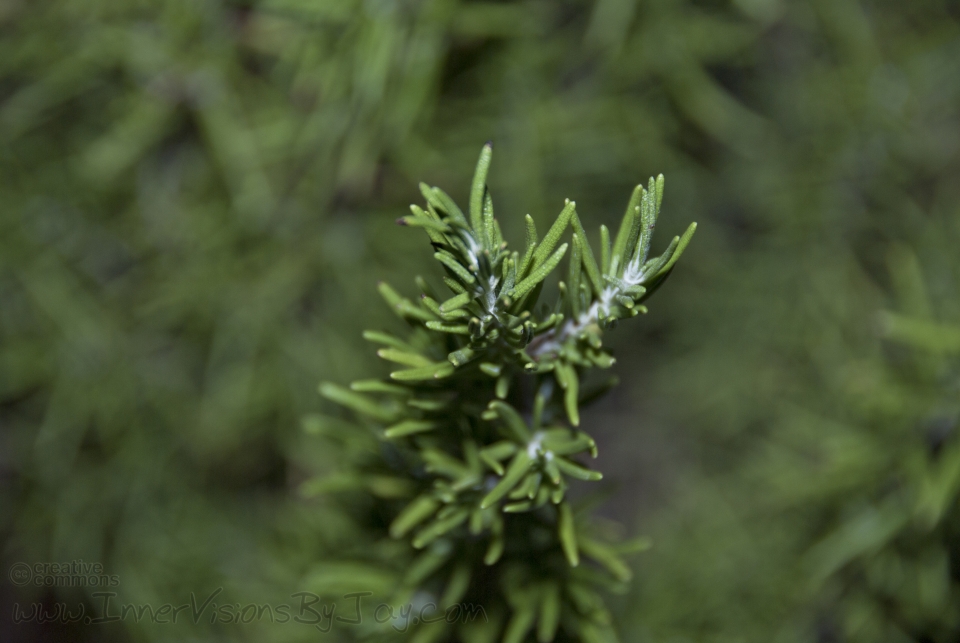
(469, 447)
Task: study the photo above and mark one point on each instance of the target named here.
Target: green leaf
(355, 401)
(424, 222)
(460, 357)
(520, 624)
(648, 220)
(554, 233)
(503, 386)
(401, 306)
(453, 285)
(428, 405)
(388, 486)
(439, 462)
(629, 223)
(539, 274)
(457, 586)
(551, 469)
(567, 441)
(530, 245)
(391, 296)
(377, 386)
(436, 372)
(607, 558)
(387, 339)
(654, 266)
(430, 214)
(570, 383)
(409, 427)
(634, 545)
(494, 550)
(402, 357)
(413, 514)
(549, 613)
(440, 201)
(478, 188)
(512, 420)
(500, 450)
(426, 564)
(576, 471)
(509, 273)
(454, 303)
(681, 246)
(589, 262)
(573, 277)
(568, 534)
(493, 454)
(448, 327)
(440, 527)
(518, 468)
(493, 370)
(604, 250)
(491, 230)
(659, 191)
(458, 270)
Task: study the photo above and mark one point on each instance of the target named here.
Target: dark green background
(198, 198)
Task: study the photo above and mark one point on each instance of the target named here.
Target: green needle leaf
(604, 249)
(491, 231)
(457, 586)
(570, 383)
(549, 613)
(627, 225)
(439, 200)
(437, 371)
(606, 557)
(447, 260)
(681, 246)
(495, 550)
(576, 471)
(512, 419)
(518, 468)
(409, 427)
(440, 527)
(356, 401)
(520, 623)
(377, 386)
(589, 262)
(539, 274)
(423, 222)
(377, 337)
(554, 233)
(573, 278)
(649, 219)
(427, 563)
(530, 245)
(454, 303)
(413, 514)
(402, 357)
(447, 327)
(479, 187)
(568, 535)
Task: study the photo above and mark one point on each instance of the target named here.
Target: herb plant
(463, 456)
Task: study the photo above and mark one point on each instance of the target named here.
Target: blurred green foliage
(198, 195)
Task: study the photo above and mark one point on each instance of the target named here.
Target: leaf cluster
(471, 443)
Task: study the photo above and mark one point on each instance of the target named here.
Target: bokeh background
(198, 197)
